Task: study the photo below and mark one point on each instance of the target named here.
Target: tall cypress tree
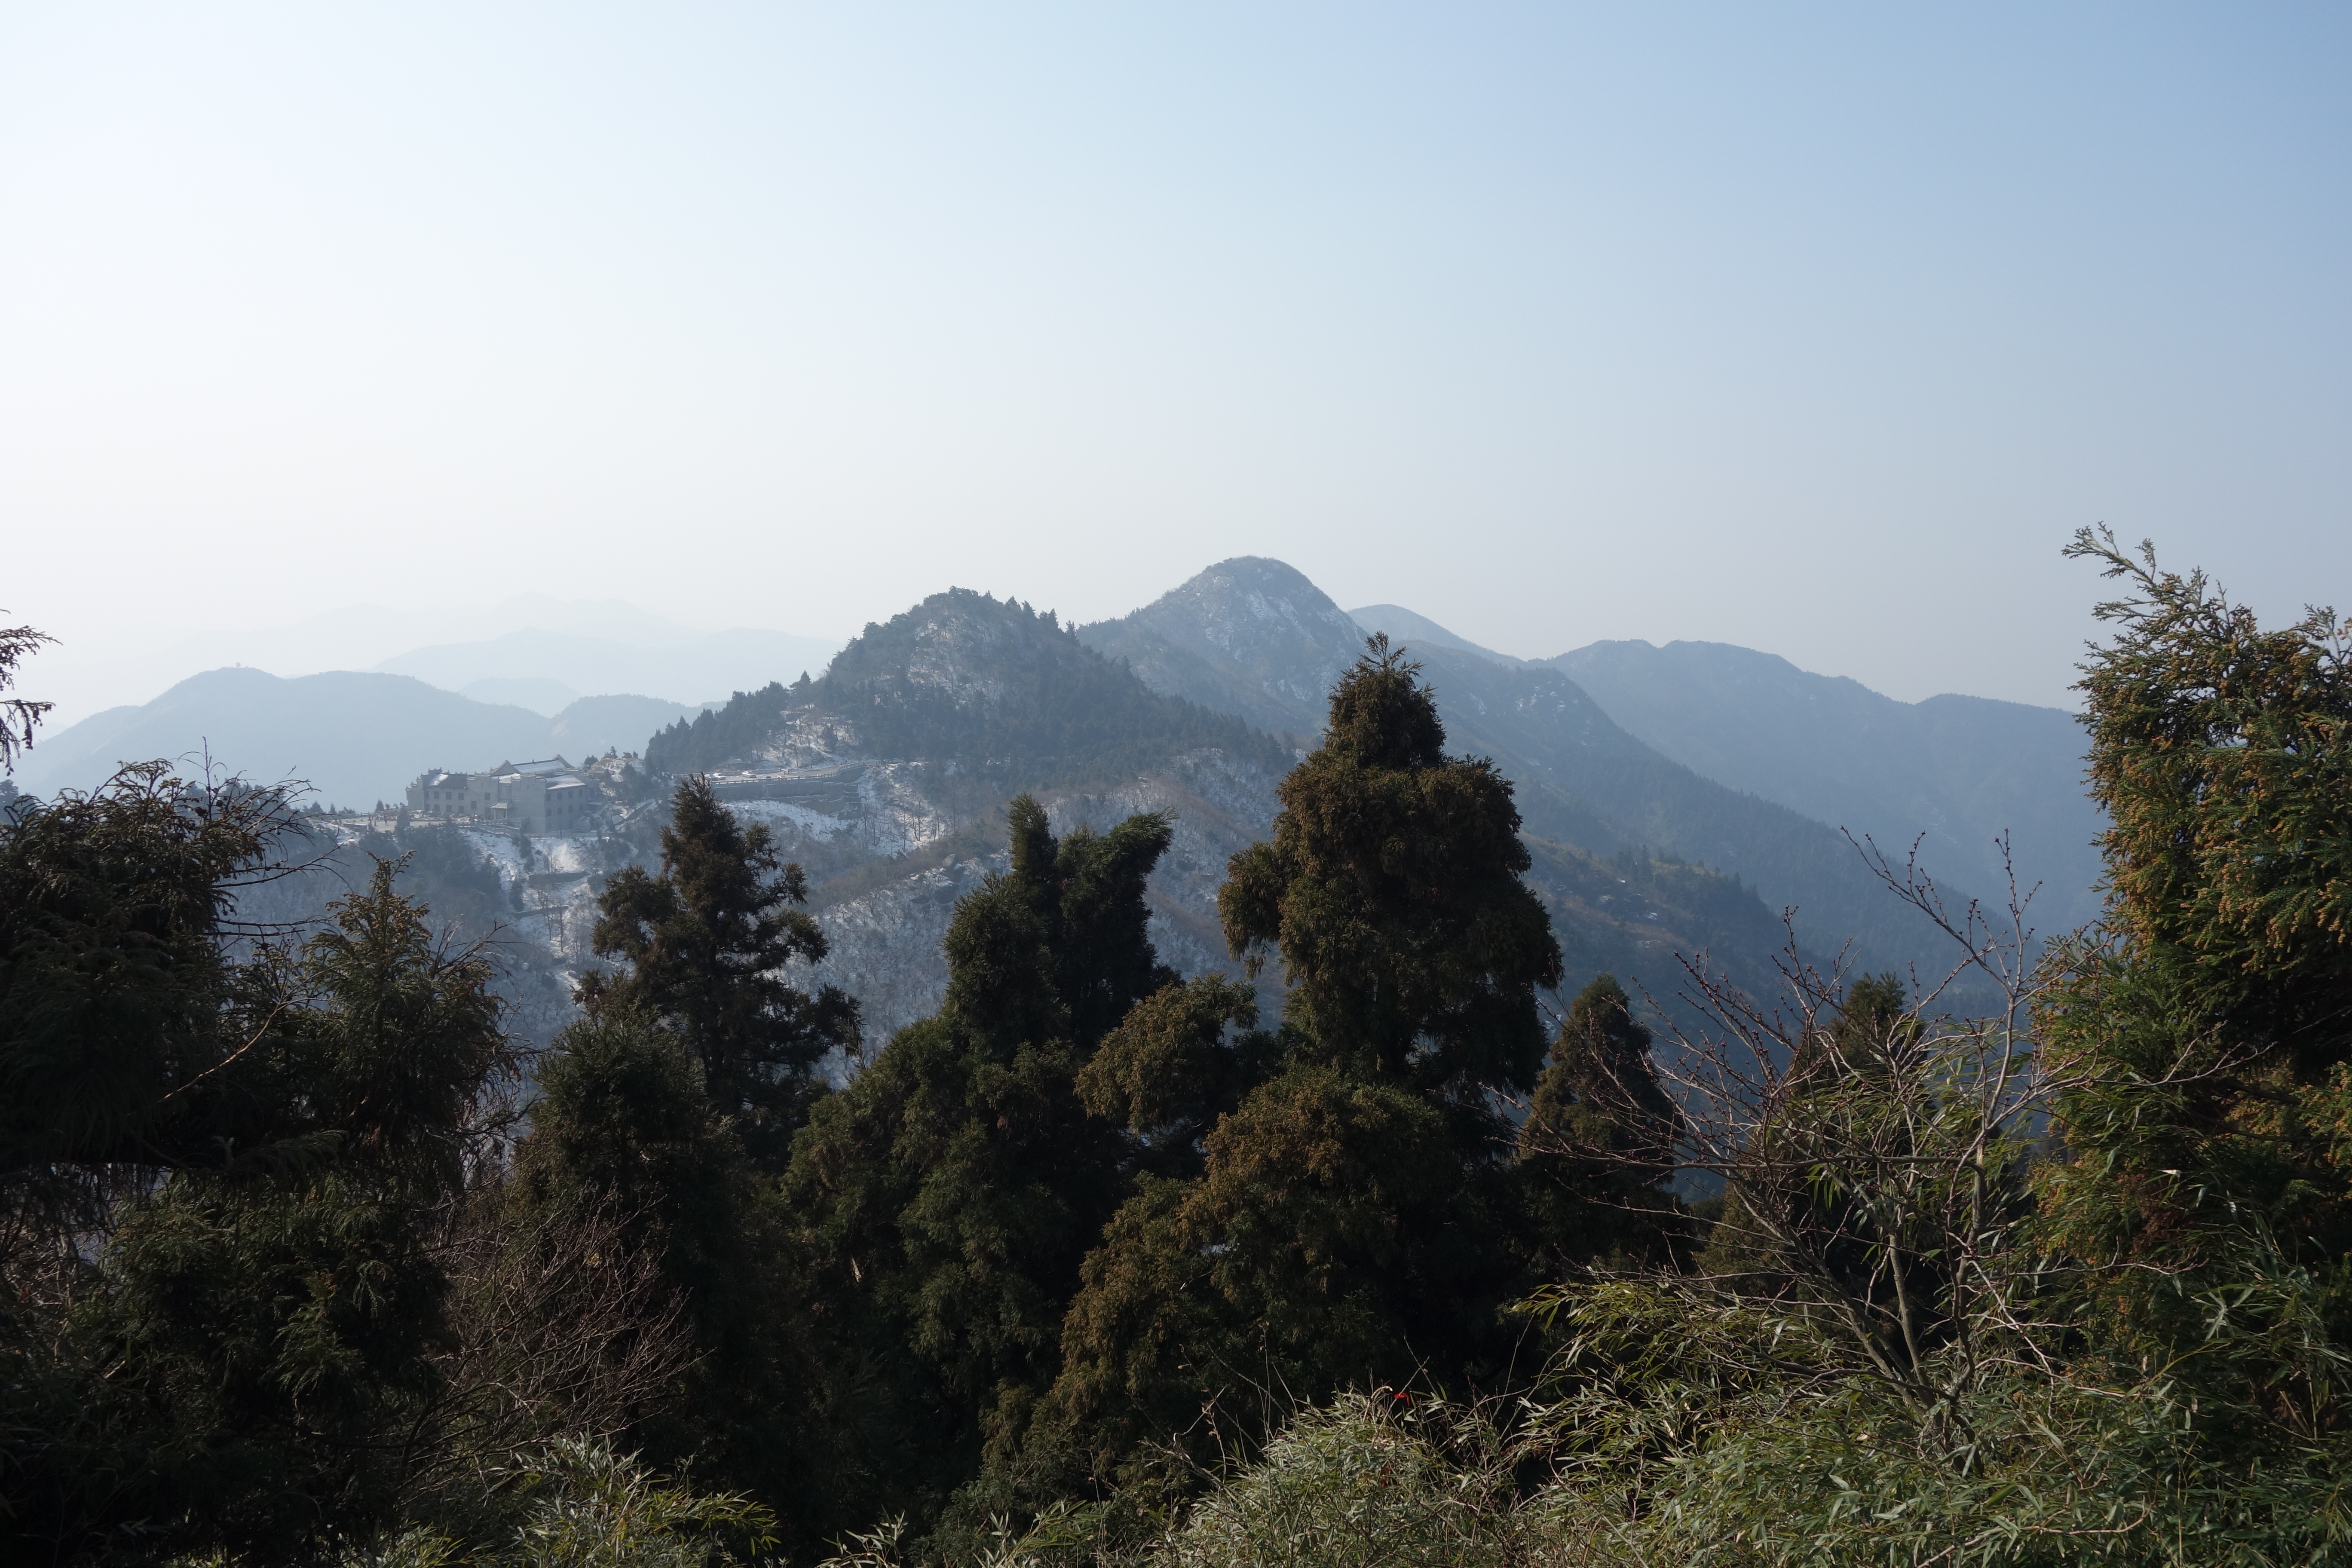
(950, 1192)
(1390, 889)
(672, 1105)
(1597, 1147)
(1355, 1219)
(1790, 1217)
(705, 943)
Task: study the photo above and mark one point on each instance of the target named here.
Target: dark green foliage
(1179, 1061)
(113, 983)
(672, 1104)
(1598, 1144)
(450, 874)
(2223, 753)
(1392, 889)
(623, 1128)
(1356, 1218)
(951, 1192)
(394, 1040)
(1336, 1238)
(1090, 1236)
(706, 943)
(1800, 1221)
(18, 715)
(2223, 756)
(621, 1116)
(466, 899)
(1979, 1297)
(1008, 693)
(267, 1342)
(1873, 1024)
(266, 1152)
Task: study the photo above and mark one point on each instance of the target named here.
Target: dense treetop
(705, 943)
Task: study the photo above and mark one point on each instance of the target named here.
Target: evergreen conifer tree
(948, 1193)
(18, 715)
(2223, 972)
(1354, 1220)
(113, 989)
(1390, 889)
(251, 1362)
(1794, 1216)
(623, 1128)
(1178, 1063)
(705, 943)
(1597, 1146)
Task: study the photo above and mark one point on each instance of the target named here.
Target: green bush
(581, 1505)
(1371, 1479)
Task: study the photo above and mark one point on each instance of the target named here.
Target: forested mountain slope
(990, 685)
(887, 779)
(1959, 769)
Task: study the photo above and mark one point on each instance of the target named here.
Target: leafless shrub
(561, 1328)
(1874, 1149)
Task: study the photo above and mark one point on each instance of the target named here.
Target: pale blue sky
(1815, 329)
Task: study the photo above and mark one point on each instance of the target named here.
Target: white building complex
(545, 796)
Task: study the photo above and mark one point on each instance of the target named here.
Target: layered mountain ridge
(925, 724)
(354, 737)
(1254, 635)
(987, 685)
(1960, 770)
(1676, 800)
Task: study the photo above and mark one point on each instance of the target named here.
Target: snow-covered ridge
(886, 934)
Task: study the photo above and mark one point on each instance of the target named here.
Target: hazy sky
(1814, 328)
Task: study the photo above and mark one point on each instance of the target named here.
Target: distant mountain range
(1254, 637)
(887, 779)
(692, 671)
(1959, 770)
(1953, 772)
(355, 738)
(587, 645)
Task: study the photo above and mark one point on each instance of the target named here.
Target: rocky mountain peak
(1263, 613)
(988, 686)
(962, 646)
(1251, 635)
